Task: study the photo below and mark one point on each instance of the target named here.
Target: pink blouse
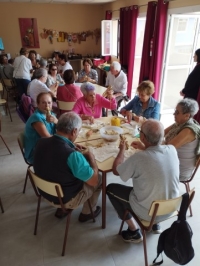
(82, 107)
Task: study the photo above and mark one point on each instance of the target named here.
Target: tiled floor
(87, 243)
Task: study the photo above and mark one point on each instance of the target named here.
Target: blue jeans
(22, 85)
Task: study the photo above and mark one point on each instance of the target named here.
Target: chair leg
(188, 190)
(7, 107)
(122, 223)
(91, 211)
(66, 232)
(25, 182)
(37, 215)
(2, 209)
(5, 144)
(145, 247)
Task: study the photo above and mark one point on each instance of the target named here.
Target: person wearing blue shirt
(143, 106)
(41, 123)
(57, 159)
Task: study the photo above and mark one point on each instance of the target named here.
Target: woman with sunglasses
(53, 76)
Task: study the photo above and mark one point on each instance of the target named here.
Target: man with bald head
(155, 175)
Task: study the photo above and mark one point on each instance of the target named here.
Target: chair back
(20, 140)
(195, 170)
(8, 83)
(46, 186)
(65, 106)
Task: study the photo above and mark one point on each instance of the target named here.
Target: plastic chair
(3, 139)
(20, 140)
(158, 207)
(65, 106)
(55, 190)
(1, 205)
(187, 182)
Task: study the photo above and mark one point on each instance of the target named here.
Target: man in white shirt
(117, 79)
(38, 85)
(63, 64)
(22, 69)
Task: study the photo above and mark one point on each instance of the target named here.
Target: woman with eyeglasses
(143, 106)
(184, 134)
(53, 76)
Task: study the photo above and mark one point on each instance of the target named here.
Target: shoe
(132, 236)
(86, 217)
(60, 214)
(156, 229)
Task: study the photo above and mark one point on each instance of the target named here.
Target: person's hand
(109, 94)
(51, 119)
(129, 116)
(137, 145)
(182, 94)
(122, 145)
(89, 156)
(80, 148)
(91, 119)
(141, 120)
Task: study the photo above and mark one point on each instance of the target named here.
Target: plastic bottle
(135, 131)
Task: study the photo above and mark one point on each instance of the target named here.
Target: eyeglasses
(54, 69)
(140, 130)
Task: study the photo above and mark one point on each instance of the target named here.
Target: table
(104, 167)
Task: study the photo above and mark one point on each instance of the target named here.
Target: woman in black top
(192, 84)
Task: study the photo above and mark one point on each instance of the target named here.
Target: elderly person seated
(90, 105)
(40, 124)
(63, 64)
(152, 178)
(184, 134)
(117, 79)
(6, 69)
(77, 173)
(87, 73)
(69, 92)
(53, 76)
(38, 85)
(143, 105)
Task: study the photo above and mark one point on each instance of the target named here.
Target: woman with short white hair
(90, 105)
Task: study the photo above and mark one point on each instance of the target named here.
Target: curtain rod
(165, 1)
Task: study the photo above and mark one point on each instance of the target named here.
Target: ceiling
(59, 1)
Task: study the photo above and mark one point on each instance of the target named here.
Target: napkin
(103, 153)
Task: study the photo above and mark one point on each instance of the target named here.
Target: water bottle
(135, 131)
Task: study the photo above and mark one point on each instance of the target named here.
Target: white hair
(116, 66)
(86, 87)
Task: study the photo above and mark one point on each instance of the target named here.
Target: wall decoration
(29, 32)
(72, 36)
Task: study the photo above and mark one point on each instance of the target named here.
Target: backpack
(25, 108)
(176, 240)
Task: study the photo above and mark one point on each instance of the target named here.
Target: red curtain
(147, 45)
(128, 25)
(158, 46)
(108, 15)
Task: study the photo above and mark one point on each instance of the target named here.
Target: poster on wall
(29, 32)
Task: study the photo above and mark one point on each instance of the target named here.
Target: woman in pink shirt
(90, 105)
(69, 92)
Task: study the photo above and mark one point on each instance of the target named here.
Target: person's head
(152, 133)
(41, 74)
(87, 64)
(88, 91)
(197, 56)
(69, 124)
(24, 51)
(62, 59)
(55, 54)
(52, 69)
(3, 59)
(115, 68)
(32, 54)
(44, 100)
(145, 90)
(185, 109)
(42, 63)
(69, 76)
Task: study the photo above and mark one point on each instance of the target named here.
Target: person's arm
(156, 111)
(41, 129)
(93, 181)
(185, 136)
(168, 129)
(108, 103)
(120, 157)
